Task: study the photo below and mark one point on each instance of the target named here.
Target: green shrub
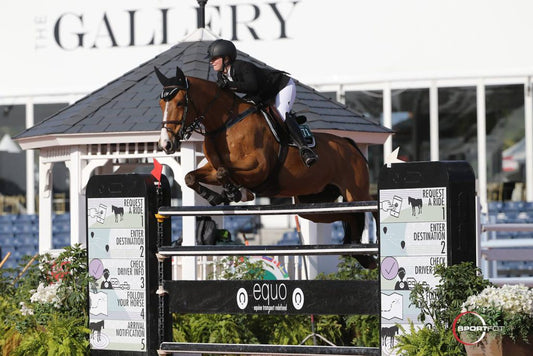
(47, 304)
(441, 304)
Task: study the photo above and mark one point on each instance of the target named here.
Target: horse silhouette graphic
(415, 203)
(96, 328)
(118, 211)
(389, 333)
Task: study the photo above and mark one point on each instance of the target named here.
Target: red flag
(156, 172)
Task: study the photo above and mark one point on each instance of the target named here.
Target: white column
(30, 164)
(309, 237)
(387, 119)
(45, 205)
(188, 163)
(434, 121)
(78, 228)
(481, 145)
(317, 234)
(528, 106)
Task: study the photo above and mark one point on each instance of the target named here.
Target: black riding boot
(309, 157)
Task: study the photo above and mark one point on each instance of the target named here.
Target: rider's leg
(308, 156)
(284, 101)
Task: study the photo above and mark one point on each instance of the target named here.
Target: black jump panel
(273, 297)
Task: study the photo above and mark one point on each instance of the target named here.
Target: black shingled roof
(129, 103)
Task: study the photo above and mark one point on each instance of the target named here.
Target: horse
(244, 157)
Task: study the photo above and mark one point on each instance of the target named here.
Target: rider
(260, 85)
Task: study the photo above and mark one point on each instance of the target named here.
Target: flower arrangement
(508, 306)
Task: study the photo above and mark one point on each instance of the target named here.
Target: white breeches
(285, 99)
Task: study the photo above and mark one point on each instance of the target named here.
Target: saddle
(280, 132)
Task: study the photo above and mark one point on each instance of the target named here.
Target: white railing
(493, 250)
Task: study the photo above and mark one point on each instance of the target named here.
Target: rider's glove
(222, 82)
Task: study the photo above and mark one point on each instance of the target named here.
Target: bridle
(185, 131)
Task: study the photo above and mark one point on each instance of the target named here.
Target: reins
(232, 121)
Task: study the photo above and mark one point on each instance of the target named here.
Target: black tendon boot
(308, 156)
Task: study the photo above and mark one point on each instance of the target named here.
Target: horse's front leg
(205, 174)
(231, 191)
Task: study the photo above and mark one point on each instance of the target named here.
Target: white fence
(514, 250)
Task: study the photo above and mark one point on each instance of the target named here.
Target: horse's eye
(180, 103)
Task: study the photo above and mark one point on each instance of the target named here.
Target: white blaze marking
(164, 138)
(165, 114)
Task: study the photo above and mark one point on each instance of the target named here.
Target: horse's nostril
(168, 146)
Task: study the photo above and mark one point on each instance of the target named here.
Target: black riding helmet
(222, 48)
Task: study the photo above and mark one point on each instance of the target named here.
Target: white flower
(47, 294)
(24, 310)
(511, 299)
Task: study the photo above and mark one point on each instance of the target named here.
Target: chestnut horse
(243, 155)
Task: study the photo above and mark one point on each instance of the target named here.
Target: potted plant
(498, 321)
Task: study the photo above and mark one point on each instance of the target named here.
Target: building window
(12, 160)
(369, 104)
(61, 176)
(505, 142)
(458, 124)
(43, 111)
(410, 122)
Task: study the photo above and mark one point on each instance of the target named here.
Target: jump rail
(352, 249)
(262, 349)
(311, 208)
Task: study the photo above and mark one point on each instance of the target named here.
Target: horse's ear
(180, 78)
(162, 79)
